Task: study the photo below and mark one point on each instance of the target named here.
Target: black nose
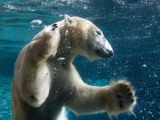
(104, 53)
(110, 53)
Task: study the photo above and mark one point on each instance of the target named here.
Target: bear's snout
(104, 53)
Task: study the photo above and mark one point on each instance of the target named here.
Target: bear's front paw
(121, 97)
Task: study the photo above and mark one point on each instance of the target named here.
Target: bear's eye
(98, 32)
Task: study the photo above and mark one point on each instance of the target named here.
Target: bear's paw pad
(123, 96)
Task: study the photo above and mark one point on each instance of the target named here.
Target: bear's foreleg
(115, 98)
(32, 75)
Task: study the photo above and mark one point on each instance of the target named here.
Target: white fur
(45, 77)
(62, 115)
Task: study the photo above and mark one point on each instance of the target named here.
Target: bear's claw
(54, 26)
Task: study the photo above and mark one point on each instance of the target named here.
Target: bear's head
(80, 36)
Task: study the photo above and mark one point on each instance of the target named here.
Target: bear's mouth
(104, 53)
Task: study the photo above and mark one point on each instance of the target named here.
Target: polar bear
(45, 80)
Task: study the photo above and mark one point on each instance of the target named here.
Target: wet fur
(45, 79)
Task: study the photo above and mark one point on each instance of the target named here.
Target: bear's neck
(69, 44)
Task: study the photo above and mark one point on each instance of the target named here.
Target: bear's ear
(69, 21)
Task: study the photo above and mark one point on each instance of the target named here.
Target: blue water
(131, 26)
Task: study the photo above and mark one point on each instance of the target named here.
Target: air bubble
(66, 32)
(144, 65)
(61, 58)
(36, 21)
